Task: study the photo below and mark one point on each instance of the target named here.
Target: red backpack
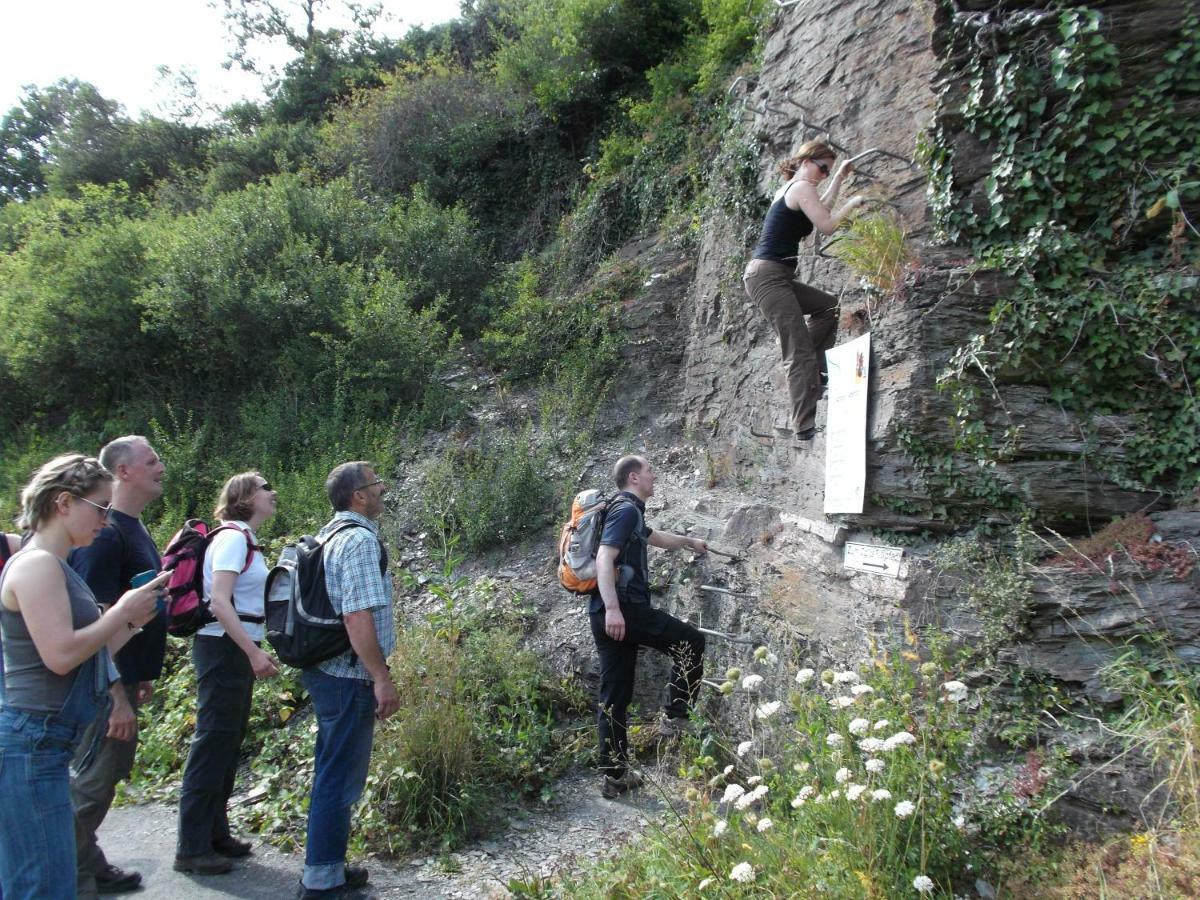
(188, 609)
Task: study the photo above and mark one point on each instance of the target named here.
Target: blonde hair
(815, 149)
(236, 502)
(72, 473)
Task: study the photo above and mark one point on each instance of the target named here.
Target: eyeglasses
(105, 511)
(363, 487)
(265, 486)
(824, 167)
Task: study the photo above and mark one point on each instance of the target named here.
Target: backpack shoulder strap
(346, 524)
(250, 545)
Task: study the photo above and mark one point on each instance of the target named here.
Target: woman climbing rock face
(770, 277)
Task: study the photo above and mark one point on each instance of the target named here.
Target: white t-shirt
(227, 553)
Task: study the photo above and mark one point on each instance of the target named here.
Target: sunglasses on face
(823, 167)
(105, 511)
(265, 486)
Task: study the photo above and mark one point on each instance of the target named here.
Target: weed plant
(852, 786)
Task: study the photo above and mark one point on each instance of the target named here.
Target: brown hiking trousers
(785, 301)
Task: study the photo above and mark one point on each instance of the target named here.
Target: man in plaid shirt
(350, 691)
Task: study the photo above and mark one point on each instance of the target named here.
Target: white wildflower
(871, 745)
(728, 769)
(833, 795)
(767, 709)
(754, 779)
(805, 675)
(960, 822)
(956, 691)
(834, 740)
(880, 725)
(751, 682)
(748, 800)
(719, 828)
(854, 791)
(858, 726)
(859, 689)
(841, 702)
(764, 825)
(923, 884)
(743, 748)
(743, 872)
(899, 739)
(875, 766)
(706, 883)
(881, 794)
(842, 775)
(732, 792)
(904, 809)
(847, 677)
(805, 792)
(772, 659)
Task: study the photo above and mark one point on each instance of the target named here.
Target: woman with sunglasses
(57, 671)
(770, 277)
(228, 657)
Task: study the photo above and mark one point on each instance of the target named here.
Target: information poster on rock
(846, 426)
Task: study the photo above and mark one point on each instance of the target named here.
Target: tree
(30, 131)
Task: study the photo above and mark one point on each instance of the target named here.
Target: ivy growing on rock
(1072, 166)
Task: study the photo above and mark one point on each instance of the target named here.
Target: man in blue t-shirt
(622, 620)
(123, 549)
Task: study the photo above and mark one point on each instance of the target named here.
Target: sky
(118, 45)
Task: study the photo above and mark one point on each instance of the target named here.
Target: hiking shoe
(615, 787)
(114, 880)
(203, 864)
(231, 847)
(356, 877)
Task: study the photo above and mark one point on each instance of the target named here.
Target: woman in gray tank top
(55, 674)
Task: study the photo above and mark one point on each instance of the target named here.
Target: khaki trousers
(785, 302)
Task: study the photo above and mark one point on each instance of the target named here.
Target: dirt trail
(575, 829)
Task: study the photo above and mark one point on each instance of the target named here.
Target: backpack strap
(250, 545)
(345, 524)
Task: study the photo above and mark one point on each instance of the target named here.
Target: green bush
(491, 493)
(535, 332)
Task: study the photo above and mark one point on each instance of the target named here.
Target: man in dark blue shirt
(123, 549)
(622, 620)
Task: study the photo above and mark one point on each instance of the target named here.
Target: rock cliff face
(862, 75)
(701, 367)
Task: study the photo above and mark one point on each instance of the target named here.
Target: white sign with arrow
(874, 559)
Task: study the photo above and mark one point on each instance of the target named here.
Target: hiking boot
(615, 787)
(356, 877)
(203, 864)
(231, 847)
(113, 880)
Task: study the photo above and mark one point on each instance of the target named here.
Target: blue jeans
(345, 709)
(37, 831)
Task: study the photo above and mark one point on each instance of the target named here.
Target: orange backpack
(580, 540)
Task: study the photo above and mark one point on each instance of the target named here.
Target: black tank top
(783, 229)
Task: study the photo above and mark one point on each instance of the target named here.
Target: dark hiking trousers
(785, 302)
(650, 627)
(225, 685)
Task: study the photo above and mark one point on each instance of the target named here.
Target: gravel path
(575, 829)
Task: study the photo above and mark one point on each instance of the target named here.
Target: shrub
(850, 787)
(491, 493)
